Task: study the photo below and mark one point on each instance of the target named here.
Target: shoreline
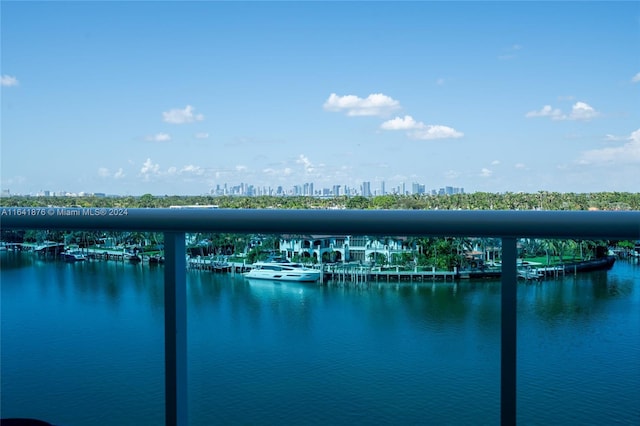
(334, 272)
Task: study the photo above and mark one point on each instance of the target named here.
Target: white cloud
(582, 111)
(181, 116)
(400, 123)
(495, 162)
(546, 111)
(486, 172)
(579, 111)
(624, 154)
(519, 166)
(191, 169)
(287, 171)
(636, 78)
(201, 135)
(419, 129)
(440, 81)
(269, 171)
(436, 132)
(241, 168)
(308, 166)
(8, 80)
(159, 137)
(149, 168)
(106, 173)
(374, 104)
(613, 138)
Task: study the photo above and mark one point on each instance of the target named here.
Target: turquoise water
(82, 344)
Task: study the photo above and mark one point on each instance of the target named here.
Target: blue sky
(176, 98)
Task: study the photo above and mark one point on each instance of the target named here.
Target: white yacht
(280, 269)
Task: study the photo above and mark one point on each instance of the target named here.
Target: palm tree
(566, 245)
(550, 248)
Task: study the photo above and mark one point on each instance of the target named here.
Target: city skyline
(173, 98)
(304, 189)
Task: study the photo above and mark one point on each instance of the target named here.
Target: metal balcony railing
(507, 225)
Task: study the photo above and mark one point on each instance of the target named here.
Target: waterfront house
(341, 248)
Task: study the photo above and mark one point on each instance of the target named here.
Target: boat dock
(211, 264)
(357, 273)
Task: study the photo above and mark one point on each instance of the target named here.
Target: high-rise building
(308, 189)
(366, 189)
(417, 188)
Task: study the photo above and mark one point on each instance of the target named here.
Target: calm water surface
(82, 344)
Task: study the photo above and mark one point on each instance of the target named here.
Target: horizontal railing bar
(609, 225)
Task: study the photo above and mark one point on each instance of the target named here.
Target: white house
(341, 248)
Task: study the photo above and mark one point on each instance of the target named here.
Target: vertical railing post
(509, 291)
(175, 329)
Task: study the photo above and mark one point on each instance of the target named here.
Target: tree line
(542, 200)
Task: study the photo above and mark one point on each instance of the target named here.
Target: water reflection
(582, 297)
(272, 352)
(439, 304)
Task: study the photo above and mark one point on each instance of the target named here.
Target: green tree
(358, 202)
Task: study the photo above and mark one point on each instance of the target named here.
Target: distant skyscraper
(366, 189)
(382, 190)
(307, 189)
(417, 188)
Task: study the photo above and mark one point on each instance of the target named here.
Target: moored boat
(73, 256)
(156, 259)
(280, 269)
(132, 257)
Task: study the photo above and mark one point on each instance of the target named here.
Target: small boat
(132, 257)
(73, 256)
(221, 266)
(280, 269)
(156, 259)
(530, 274)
